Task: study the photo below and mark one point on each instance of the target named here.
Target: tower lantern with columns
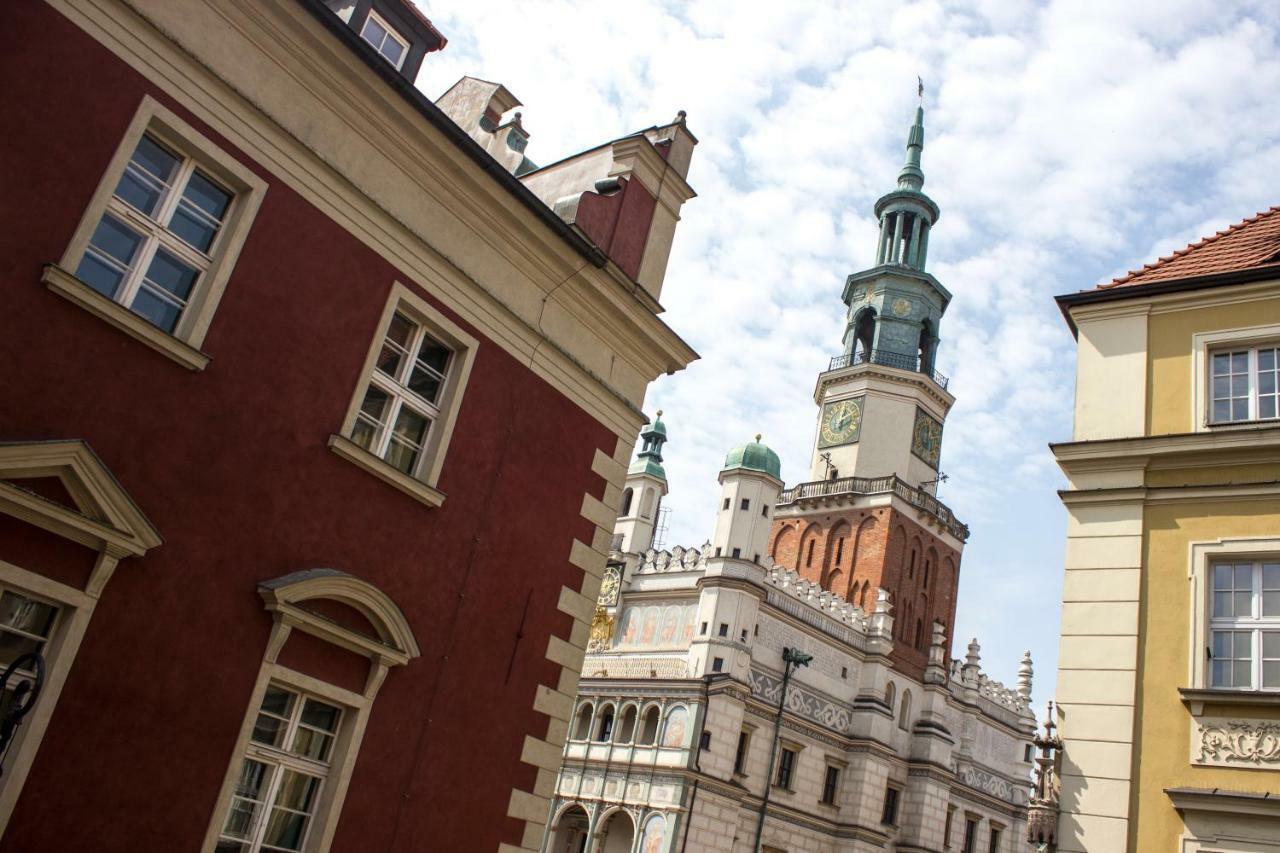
(643, 491)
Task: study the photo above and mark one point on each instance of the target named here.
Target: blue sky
(1065, 142)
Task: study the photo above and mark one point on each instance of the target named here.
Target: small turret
(642, 494)
(749, 485)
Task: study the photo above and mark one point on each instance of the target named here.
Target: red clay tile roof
(1252, 243)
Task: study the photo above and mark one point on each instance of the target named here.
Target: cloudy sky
(1066, 142)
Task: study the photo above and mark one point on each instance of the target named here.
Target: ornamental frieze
(800, 701)
(1220, 742)
(989, 783)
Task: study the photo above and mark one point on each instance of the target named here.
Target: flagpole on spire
(920, 89)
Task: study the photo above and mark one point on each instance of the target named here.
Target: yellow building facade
(1169, 670)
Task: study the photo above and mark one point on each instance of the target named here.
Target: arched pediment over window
(287, 596)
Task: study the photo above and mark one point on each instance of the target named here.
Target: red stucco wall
(231, 465)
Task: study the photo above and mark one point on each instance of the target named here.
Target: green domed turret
(754, 457)
(649, 459)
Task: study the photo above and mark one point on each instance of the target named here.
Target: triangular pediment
(64, 487)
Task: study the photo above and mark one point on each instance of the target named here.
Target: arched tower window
(627, 495)
(928, 340)
(904, 713)
(864, 333)
(646, 504)
(582, 730)
(890, 694)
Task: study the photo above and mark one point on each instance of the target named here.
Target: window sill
(414, 488)
(76, 291)
(1196, 698)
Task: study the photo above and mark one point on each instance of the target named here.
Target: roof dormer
(394, 29)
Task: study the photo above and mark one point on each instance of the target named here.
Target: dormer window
(377, 32)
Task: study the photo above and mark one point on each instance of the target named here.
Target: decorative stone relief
(996, 786)
(801, 701)
(1222, 742)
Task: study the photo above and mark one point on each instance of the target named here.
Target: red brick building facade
(315, 421)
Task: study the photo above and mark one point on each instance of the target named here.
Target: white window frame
(184, 342)
(392, 33)
(1200, 576)
(1203, 346)
(394, 646)
(421, 483)
(281, 759)
(1255, 624)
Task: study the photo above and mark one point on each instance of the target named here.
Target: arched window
(928, 569)
(306, 751)
(808, 557)
(646, 504)
(904, 713)
(928, 340)
(862, 597)
(835, 582)
(919, 643)
(627, 731)
(649, 726)
(582, 730)
(890, 694)
(911, 564)
(604, 728)
(864, 332)
(627, 495)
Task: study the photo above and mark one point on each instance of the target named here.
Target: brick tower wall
(855, 552)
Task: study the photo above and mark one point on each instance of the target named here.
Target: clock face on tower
(926, 438)
(841, 422)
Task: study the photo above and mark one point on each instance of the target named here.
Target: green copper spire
(911, 177)
(649, 459)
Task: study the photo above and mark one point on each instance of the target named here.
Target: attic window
(377, 32)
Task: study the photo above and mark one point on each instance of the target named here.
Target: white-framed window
(155, 239)
(1244, 384)
(384, 38)
(27, 625)
(1244, 624)
(155, 247)
(401, 418)
(402, 400)
(278, 786)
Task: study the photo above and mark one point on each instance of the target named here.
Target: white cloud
(1066, 142)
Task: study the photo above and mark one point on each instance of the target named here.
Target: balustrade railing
(888, 359)
(913, 495)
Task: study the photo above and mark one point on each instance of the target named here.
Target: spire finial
(659, 412)
(912, 177)
(757, 438)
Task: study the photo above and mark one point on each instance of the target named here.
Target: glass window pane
(1271, 576)
(206, 195)
(373, 32)
(425, 384)
(411, 426)
(1271, 644)
(284, 830)
(296, 791)
(278, 701)
(268, 730)
(320, 715)
(170, 273)
(1222, 604)
(116, 240)
(375, 403)
(1266, 407)
(1244, 576)
(1271, 674)
(1221, 364)
(26, 614)
(1221, 410)
(434, 354)
(1221, 387)
(1222, 577)
(14, 646)
(150, 168)
(1239, 410)
(1242, 674)
(400, 329)
(151, 305)
(193, 228)
(1244, 604)
(392, 50)
(1266, 359)
(1240, 362)
(401, 456)
(1271, 604)
(312, 744)
(1221, 644)
(1221, 670)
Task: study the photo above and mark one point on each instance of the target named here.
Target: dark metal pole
(792, 660)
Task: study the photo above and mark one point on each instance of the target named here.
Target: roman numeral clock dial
(841, 422)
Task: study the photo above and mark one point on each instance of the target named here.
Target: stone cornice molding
(892, 375)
